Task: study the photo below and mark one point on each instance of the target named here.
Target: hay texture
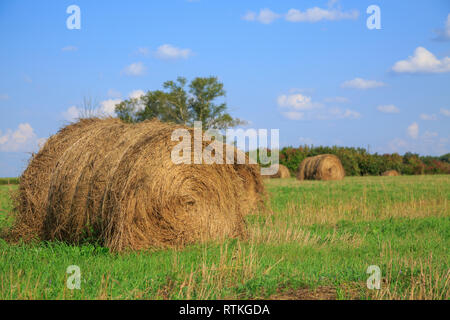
(321, 167)
(114, 183)
(283, 172)
(391, 173)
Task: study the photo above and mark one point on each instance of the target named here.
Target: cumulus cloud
(445, 112)
(427, 117)
(134, 69)
(339, 113)
(390, 108)
(72, 113)
(318, 14)
(296, 101)
(136, 94)
(359, 83)
(105, 108)
(312, 15)
(22, 139)
(302, 107)
(265, 16)
(422, 61)
(413, 130)
(169, 52)
(108, 107)
(444, 34)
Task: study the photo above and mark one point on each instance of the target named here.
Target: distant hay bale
(321, 167)
(283, 172)
(115, 183)
(391, 173)
(255, 195)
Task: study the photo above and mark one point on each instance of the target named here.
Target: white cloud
(413, 130)
(22, 139)
(265, 16)
(69, 48)
(422, 61)
(318, 14)
(390, 108)
(315, 14)
(4, 96)
(108, 107)
(351, 114)
(445, 112)
(338, 113)
(426, 117)
(72, 114)
(169, 52)
(296, 101)
(359, 83)
(444, 34)
(134, 69)
(136, 94)
(302, 107)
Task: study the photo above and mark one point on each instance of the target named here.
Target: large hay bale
(115, 183)
(283, 172)
(391, 173)
(321, 167)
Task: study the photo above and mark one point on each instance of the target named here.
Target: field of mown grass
(317, 243)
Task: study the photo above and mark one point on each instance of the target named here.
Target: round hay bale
(321, 167)
(254, 187)
(116, 183)
(283, 172)
(391, 173)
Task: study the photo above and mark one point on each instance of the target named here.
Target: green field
(318, 242)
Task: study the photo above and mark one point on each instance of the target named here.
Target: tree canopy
(176, 104)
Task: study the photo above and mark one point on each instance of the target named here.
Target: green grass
(320, 235)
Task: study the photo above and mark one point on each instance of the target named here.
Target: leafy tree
(176, 104)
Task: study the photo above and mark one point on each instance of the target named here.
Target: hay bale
(321, 167)
(391, 173)
(115, 183)
(255, 195)
(283, 172)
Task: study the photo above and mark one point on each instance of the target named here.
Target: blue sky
(309, 68)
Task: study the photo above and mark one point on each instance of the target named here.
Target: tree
(175, 104)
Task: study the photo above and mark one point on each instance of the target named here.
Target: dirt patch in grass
(319, 293)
